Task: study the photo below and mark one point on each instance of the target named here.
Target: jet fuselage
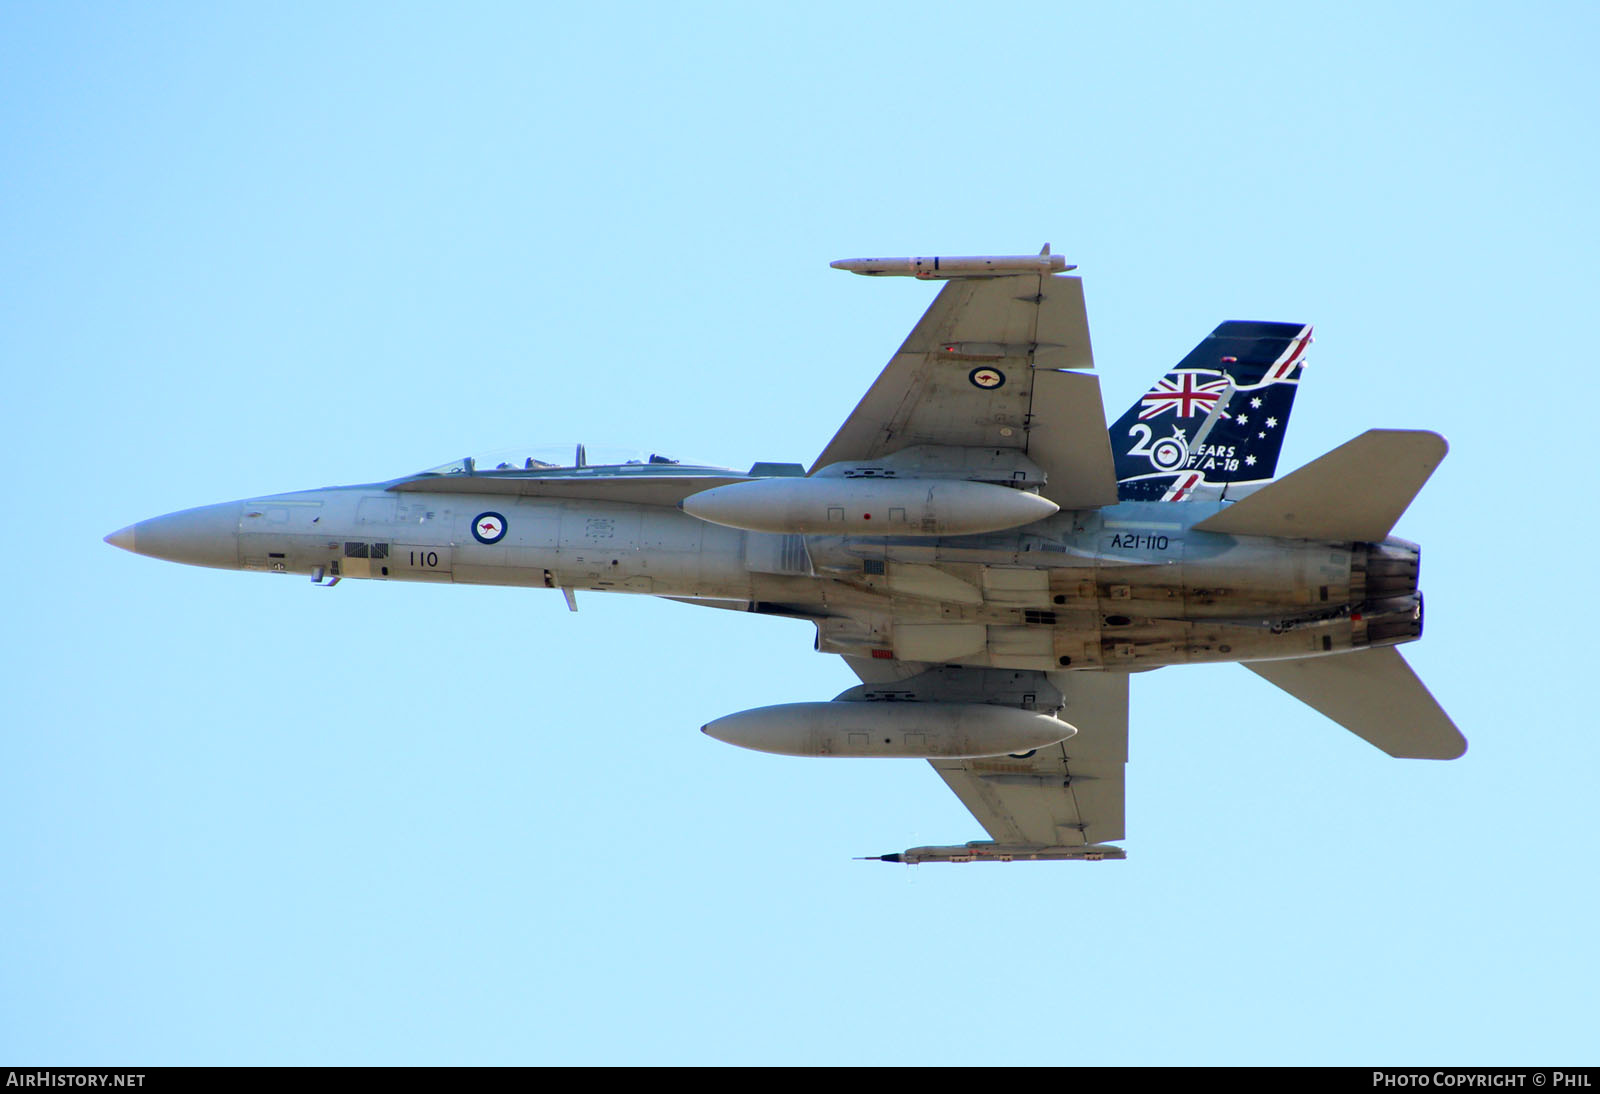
(1131, 585)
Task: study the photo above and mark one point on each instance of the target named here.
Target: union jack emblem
(1187, 394)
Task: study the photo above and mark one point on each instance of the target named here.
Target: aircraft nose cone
(207, 536)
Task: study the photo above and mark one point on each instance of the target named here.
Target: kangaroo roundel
(986, 378)
(1169, 453)
(489, 528)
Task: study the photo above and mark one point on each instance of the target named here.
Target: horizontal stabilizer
(1356, 492)
(1374, 694)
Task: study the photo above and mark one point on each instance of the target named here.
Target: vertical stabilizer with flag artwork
(1218, 418)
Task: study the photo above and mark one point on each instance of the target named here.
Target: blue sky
(244, 820)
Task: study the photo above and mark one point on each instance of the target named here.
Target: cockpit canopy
(539, 459)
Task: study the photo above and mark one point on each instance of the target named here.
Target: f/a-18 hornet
(988, 559)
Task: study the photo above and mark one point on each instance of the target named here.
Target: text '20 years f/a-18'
(989, 560)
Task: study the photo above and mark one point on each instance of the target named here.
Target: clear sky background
(249, 249)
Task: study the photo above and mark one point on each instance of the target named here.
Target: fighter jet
(988, 558)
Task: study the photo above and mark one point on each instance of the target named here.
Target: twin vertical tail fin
(1217, 418)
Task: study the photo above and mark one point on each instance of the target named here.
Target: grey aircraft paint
(1044, 617)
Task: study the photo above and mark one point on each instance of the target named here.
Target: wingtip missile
(944, 268)
(985, 851)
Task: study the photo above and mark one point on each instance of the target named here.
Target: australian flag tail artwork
(1216, 419)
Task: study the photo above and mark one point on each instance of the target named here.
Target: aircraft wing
(984, 369)
(1070, 794)
(1064, 801)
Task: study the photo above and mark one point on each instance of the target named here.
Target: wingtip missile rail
(985, 851)
(949, 267)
